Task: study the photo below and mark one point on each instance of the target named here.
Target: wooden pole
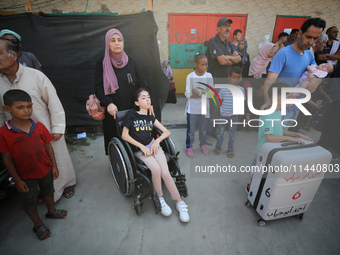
(29, 6)
(150, 5)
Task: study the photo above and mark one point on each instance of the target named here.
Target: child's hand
(154, 147)
(264, 107)
(310, 76)
(55, 172)
(196, 92)
(311, 87)
(56, 137)
(21, 186)
(299, 141)
(305, 137)
(146, 151)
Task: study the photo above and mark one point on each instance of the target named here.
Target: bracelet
(159, 138)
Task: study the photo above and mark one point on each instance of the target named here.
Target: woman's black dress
(129, 78)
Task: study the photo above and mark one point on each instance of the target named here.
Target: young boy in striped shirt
(225, 111)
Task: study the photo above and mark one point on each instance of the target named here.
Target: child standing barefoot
(137, 131)
(194, 104)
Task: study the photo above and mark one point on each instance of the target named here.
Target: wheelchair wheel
(121, 167)
(138, 207)
(171, 146)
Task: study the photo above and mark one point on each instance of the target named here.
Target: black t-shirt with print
(140, 126)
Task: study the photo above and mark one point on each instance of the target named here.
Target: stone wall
(261, 13)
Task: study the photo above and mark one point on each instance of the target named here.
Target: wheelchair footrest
(181, 185)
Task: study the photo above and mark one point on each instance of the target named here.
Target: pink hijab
(259, 64)
(118, 61)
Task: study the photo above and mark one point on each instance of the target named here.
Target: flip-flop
(42, 230)
(56, 215)
(66, 190)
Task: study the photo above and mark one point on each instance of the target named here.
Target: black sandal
(217, 151)
(230, 153)
(56, 215)
(68, 192)
(42, 230)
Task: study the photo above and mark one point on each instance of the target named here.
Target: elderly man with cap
(25, 58)
(47, 110)
(220, 53)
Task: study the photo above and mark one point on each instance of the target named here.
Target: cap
(224, 20)
(9, 32)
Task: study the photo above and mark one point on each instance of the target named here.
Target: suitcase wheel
(300, 216)
(261, 222)
(248, 204)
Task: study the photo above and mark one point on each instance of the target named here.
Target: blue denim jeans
(256, 157)
(231, 130)
(290, 115)
(192, 120)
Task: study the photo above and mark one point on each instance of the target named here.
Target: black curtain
(68, 47)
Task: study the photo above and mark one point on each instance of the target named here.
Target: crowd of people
(35, 120)
(300, 60)
(31, 143)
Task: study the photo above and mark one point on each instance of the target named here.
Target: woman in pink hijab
(117, 78)
(259, 64)
(258, 67)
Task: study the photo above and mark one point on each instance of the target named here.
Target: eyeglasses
(11, 40)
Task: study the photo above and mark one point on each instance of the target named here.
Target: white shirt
(194, 104)
(47, 107)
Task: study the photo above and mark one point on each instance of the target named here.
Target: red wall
(180, 26)
(287, 22)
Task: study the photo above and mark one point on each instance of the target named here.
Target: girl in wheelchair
(137, 131)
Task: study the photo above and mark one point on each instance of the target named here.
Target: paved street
(102, 221)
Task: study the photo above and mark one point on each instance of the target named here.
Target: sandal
(230, 153)
(68, 192)
(42, 230)
(56, 215)
(217, 151)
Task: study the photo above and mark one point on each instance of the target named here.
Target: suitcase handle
(284, 144)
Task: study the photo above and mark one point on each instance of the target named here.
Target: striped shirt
(226, 96)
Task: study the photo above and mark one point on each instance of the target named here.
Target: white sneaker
(165, 209)
(182, 208)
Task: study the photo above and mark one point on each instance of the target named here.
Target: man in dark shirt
(220, 53)
(292, 37)
(331, 51)
(237, 38)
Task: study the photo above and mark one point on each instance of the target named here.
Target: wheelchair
(130, 173)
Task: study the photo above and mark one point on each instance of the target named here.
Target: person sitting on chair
(137, 129)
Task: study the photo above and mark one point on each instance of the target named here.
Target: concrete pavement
(102, 221)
